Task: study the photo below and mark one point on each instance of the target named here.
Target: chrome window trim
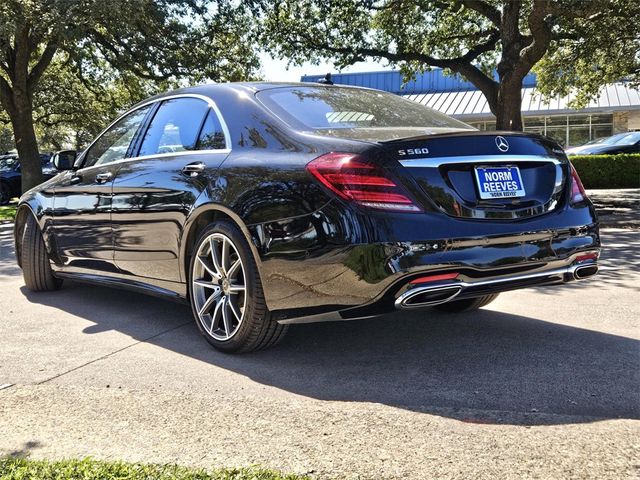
(160, 155)
(209, 101)
(434, 162)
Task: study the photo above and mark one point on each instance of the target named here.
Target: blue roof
(432, 81)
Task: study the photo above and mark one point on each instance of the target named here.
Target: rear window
(324, 108)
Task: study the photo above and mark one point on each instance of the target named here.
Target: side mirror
(64, 159)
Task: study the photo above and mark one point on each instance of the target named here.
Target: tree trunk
(508, 108)
(27, 145)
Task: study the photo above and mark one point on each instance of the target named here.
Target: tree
(492, 43)
(168, 41)
(596, 50)
(70, 110)
(6, 139)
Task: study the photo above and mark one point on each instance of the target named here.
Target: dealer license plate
(499, 182)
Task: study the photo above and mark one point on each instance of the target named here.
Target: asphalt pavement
(542, 383)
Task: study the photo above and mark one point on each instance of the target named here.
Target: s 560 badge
(413, 151)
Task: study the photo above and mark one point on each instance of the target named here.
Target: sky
(276, 70)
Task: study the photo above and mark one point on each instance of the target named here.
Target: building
(617, 108)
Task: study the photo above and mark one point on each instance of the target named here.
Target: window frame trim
(83, 157)
(144, 124)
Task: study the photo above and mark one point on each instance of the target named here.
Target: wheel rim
(219, 287)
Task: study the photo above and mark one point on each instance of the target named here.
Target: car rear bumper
(312, 268)
(429, 293)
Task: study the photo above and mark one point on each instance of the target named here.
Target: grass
(90, 469)
(7, 212)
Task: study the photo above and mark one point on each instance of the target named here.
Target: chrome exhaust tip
(585, 271)
(427, 296)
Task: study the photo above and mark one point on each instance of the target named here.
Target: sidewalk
(617, 208)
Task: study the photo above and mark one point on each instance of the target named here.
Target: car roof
(210, 89)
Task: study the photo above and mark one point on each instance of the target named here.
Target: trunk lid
(480, 175)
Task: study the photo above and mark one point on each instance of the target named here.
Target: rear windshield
(629, 139)
(329, 108)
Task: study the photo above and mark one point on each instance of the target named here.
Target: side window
(212, 135)
(114, 143)
(174, 127)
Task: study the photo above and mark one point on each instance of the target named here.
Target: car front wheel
(34, 259)
(226, 293)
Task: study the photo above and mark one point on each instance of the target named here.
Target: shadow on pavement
(8, 265)
(619, 262)
(485, 367)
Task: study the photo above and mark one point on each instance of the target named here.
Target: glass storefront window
(599, 131)
(559, 134)
(568, 130)
(579, 120)
(557, 120)
(483, 125)
(538, 130)
(578, 135)
(604, 118)
(533, 122)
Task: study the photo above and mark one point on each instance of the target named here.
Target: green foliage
(61, 60)
(105, 62)
(571, 43)
(89, 469)
(592, 51)
(6, 137)
(61, 122)
(608, 171)
(7, 213)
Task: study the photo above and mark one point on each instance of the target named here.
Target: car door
(178, 155)
(82, 199)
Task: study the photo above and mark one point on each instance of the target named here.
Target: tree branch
(462, 65)
(42, 64)
(483, 8)
(6, 97)
(541, 37)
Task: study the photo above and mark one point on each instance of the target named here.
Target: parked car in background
(11, 176)
(264, 204)
(628, 142)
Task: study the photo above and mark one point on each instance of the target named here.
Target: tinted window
(8, 163)
(174, 127)
(114, 143)
(212, 135)
(613, 138)
(629, 139)
(318, 108)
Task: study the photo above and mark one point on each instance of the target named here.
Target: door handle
(103, 177)
(193, 169)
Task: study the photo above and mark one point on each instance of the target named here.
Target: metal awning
(471, 103)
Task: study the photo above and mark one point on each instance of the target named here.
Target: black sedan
(628, 142)
(264, 204)
(11, 176)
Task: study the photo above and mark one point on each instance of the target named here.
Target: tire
(5, 194)
(466, 305)
(36, 269)
(230, 318)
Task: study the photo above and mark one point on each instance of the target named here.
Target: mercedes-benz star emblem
(502, 144)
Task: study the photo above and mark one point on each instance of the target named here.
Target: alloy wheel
(219, 287)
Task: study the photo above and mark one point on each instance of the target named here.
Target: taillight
(353, 179)
(577, 189)
(434, 278)
(586, 256)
